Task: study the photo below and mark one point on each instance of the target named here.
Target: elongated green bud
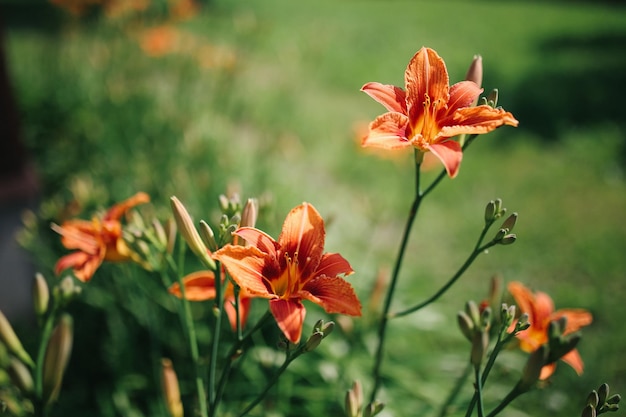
(41, 295)
(21, 376)
(56, 358)
(189, 233)
(12, 342)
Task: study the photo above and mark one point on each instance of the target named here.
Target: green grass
(103, 120)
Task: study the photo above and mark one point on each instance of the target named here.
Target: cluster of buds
(475, 325)
(354, 403)
(599, 402)
(149, 240)
(494, 211)
(15, 360)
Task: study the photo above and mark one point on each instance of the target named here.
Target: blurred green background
(263, 97)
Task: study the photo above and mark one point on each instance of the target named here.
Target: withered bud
(56, 358)
(171, 390)
(509, 223)
(603, 393)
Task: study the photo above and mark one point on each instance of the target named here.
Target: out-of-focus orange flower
(540, 310)
(97, 240)
(200, 286)
(429, 112)
(292, 269)
(159, 40)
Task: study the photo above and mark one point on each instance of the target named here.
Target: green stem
(271, 382)
(492, 359)
(515, 392)
(41, 409)
(479, 391)
(187, 319)
(382, 328)
(477, 251)
(217, 329)
(233, 354)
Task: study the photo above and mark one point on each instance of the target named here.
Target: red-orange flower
(428, 113)
(540, 310)
(292, 269)
(200, 286)
(97, 240)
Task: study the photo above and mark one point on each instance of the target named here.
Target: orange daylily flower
(200, 286)
(430, 112)
(97, 240)
(292, 269)
(540, 310)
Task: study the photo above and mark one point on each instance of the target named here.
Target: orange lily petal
(576, 318)
(334, 294)
(231, 311)
(543, 307)
(463, 94)
(83, 265)
(388, 131)
(425, 76)
(259, 239)
(199, 286)
(247, 265)
(475, 120)
(547, 371)
(450, 154)
(524, 298)
(573, 359)
(390, 96)
(333, 264)
(303, 235)
(118, 210)
(289, 316)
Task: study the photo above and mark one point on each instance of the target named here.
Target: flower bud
(250, 213)
(603, 394)
(532, 369)
(208, 236)
(313, 341)
(593, 399)
(465, 324)
(490, 212)
(189, 233)
(473, 312)
(12, 342)
(475, 71)
(509, 223)
(614, 399)
(41, 295)
(508, 239)
(522, 323)
(480, 342)
(354, 400)
(56, 358)
(21, 376)
(492, 98)
(589, 411)
(373, 408)
(171, 390)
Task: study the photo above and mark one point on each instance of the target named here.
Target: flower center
(287, 282)
(427, 127)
